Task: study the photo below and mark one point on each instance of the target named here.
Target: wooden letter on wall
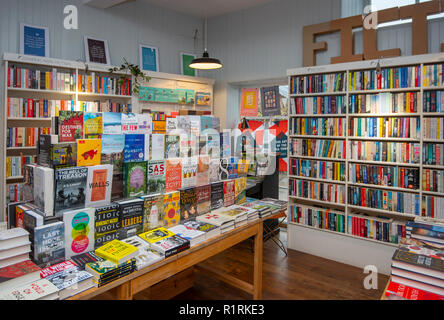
(418, 13)
(346, 26)
(369, 36)
(310, 47)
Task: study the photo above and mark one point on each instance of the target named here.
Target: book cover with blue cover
(112, 123)
(233, 163)
(49, 244)
(134, 147)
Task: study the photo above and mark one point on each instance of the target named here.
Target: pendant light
(205, 63)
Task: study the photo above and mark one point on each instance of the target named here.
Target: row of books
(433, 154)
(24, 137)
(319, 83)
(385, 151)
(384, 102)
(333, 149)
(158, 116)
(433, 128)
(19, 77)
(318, 126)
(432, 207)
(387, 78)
(14, 192)
(317, 217)
(433, 75)
(432, 101)
(320, 191)
(400, 177)
(318, 105)
(433, 180)
(15, 165)
(318, 169)
(95, 83)
(403, 127)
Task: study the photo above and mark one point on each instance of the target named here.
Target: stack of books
(280, 203)
(146, 256)
(165, 241)
(41, 289)
(193, 235)
(14, 246)
(418, 263)
(225, 223)
(18, 274)
(209, 229)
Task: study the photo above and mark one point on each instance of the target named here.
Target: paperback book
(112, 123)
(203, 196)
(156, 235)
(153, 212)
(131, 218)
(63, 155)
(217, 195)
(70, 126)
(173, 174)
(117, 252)
(130, 123)
(43, 189)
(171, 245)
(156, 176)
(79, 231)
(135, 178)
(171, 209)
(188, 204)
(88, 152)
(107, 222)
(49, 244)
(172, 146)
(192, 235)
(214, 170)
(145, 123)
(93, 125)
(136, 148)
(70, 188)
(189, 172)
(157, 146)
(210, 230)
(146, 256)
(229, 192)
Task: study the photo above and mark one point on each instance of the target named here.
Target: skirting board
(349, 250)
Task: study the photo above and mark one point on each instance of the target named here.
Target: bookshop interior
(222, 150)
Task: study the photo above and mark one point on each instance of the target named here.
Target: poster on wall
(34, 40)
(96, 50)
(149, 58)
(203, 98)
(249, 102)
(185, 60)
(280, 130)
(270, 101)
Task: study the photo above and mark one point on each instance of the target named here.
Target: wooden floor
(299, 276)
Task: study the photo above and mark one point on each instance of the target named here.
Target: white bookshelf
(374, 247)
(158, 79)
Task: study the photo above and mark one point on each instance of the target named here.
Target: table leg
(257, 276)
(123, 292)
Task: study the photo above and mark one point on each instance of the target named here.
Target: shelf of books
(369, 141)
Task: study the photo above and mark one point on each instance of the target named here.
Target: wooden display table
(126, 287)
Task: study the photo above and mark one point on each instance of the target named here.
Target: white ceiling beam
(104, 4)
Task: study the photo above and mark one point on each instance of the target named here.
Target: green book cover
(135, 179)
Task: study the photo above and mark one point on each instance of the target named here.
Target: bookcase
(365, 155)
(29, 105)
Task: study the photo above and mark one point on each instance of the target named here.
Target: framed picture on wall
(96, 50)
(34, 40)
(185, 60)
(149, 58)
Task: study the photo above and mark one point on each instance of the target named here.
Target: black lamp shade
(205, 63)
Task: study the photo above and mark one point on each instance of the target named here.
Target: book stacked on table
(418, 263)
(263, 208)
(194, 236)
(14, 246)
(41, 289)
(146, 256)
(165, 241)
(225, 223)
(280, 203)
(238, 213)
(18, 274)
(209, 229)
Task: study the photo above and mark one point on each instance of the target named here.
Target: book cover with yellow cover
(88, 152)
(117, 251)
(171, 205)
(92, 125)
(156, 235)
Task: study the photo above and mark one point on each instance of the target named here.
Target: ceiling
(196, 8)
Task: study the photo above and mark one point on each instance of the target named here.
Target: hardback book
(71, 281)
(112, 123)
(194, 236)
(203, 170)
(55, 268)
(229, 193)
(15, 251)
(171, 245)
(145, 123)
(156, 176)
(32, 220)
(44, 189)
(239, 214)
(203, 198)
(223, 169)
(41, 289)
(171, 209)
(136, 148)
(225, 144)
(214, 170)
(131, 218)
(28, 185)
(155, 235)
(418, 263)
(152, 212)
(240, 190)
(82, 259)
(157, 146)
(135, 179)
(79, 231)
(410, 293)
(172, 146)
(106, 271)
(14, 259)
(93, 125)
(209, 229)
(146, 256)
(189, 145)
(418, 285)
(171, 126)
(49, 244)
(15, 237)
(88, 152)
(225, 223)
(63, 155)
(70, 126)
(112, 153)
(117, 252)
(189, 172)
(70, 189)
(233, 163)
(217, 195)
(106, 224)
(188, 203)
(130, 123)
(44, 149)
(99, 185)
(18, 274)
(173, 174)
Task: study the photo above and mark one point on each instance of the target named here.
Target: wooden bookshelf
(347, 69)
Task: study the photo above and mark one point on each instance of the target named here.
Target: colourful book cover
(112, 151)
(112, 123)
(188, 204)
(99, 185)
(189, 172)
(155, 235)
(239, 190)
(206, 123)
(152, 212)
(70, 188)
(135, 174)
(88, 152)
(79, 231)
(107, 222)
(233, 163)
(64, 154)
(171, 208)
(229, 192)
(203, 99)
(173, 174)
(156, 176)
(172, 146)
(145, 123)
(130, 123)
(203, 196)
(134, 147)
(203, 170)
(116, 251)
(70, 126)
(49, 244)
(225, 144)
(93, 124)
(131, 218)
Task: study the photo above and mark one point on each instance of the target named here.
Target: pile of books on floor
(418, 264)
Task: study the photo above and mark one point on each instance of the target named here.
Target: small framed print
(96, 50)
(185, 60)
(149, 58)
(34, 40)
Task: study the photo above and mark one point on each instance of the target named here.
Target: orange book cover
(88, 152)
(99, 180)
(173, 174)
